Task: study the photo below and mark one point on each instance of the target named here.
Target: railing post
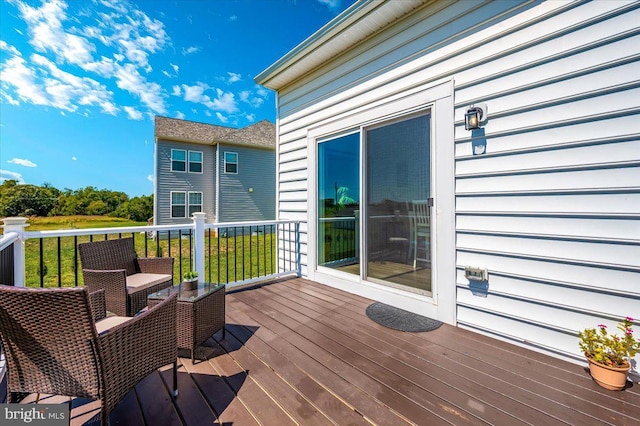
(17, 225)
(298, 254)
(198, 239)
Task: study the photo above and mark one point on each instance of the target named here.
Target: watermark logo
(34, 414)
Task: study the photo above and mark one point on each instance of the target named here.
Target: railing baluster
(41, 262)
(227, 242)
(75, 260)
(190, 250)
(59, 264)
(219, 254)
(209, 253)
(179, 250)
(243, 251)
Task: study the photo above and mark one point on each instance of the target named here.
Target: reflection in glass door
(339, 204)
(398, 204)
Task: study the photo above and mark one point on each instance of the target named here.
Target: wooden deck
(298, 352)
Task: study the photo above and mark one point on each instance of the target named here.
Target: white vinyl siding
(552, 207)
(168, 181)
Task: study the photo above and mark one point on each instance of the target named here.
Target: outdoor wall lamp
(475, 116)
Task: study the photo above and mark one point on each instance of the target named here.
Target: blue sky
(81, 80)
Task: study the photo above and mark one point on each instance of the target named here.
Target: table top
(187, 295)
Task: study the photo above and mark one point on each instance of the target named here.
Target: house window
(178, 204)
(178, 160)
(195, 202)
(195, 161)
(231, 162)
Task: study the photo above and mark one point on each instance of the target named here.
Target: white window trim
(186, 203)
(201, 162)
(237, 163)
(438, 97)
(186, 160)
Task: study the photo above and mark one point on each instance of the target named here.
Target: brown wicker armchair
(113, 265)
(57, 341)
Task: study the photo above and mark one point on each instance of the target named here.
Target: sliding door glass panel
(338, 203)
(398, 182)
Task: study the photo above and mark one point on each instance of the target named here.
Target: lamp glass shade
(472, 119)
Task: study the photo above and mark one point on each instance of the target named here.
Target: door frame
(439, 99)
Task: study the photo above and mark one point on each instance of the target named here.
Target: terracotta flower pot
(611, 378)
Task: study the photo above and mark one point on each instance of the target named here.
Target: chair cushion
(108, 323)
(137, 282)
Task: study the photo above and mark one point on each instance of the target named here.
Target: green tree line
(32, 200)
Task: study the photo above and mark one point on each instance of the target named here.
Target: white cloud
(47, 32)
(65, 89)
(331, 4)
(150, 178)
(151, 94)
(176, 91)
(22, 162)
(224, 102)
(5, 46)
(248, 97)
(74, 158)
(233, 77)
(8, 175)
(133, 113)
(222, 118)
(190, 50)
(250, 117)
(11, 100)
(16, 73)
(261, 91)
(180, 115)
(64, 42)
(233, 18)
(195, 93)
(175, 67)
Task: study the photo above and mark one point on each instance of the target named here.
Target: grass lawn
(227, 259)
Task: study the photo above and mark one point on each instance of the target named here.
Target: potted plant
(609, 354)
(190, 280)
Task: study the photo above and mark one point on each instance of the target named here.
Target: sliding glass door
(386, 236)
(398, 204)
(339, 203)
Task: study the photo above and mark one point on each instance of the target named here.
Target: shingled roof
(262, 133)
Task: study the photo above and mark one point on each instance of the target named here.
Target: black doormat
(399, 319)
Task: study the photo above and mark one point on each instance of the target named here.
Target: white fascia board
(330, 33)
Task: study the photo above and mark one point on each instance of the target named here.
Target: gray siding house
(227, 173)
(521, 123)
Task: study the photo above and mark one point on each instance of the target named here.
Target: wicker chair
(57, 341)
(113, 265)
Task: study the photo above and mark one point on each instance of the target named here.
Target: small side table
(201, 313)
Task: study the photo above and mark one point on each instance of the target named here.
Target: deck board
(298, 352)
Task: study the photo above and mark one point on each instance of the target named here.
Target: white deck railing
(284, 237)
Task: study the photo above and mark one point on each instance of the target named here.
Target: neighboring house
(545, 195)
(225, 172)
